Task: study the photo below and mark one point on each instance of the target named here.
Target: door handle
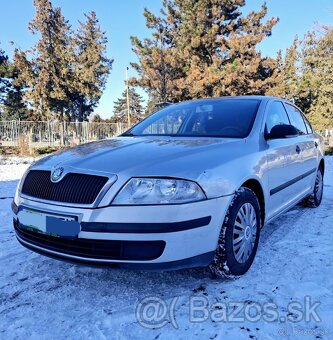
(298, 149)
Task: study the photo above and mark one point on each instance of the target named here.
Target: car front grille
(73, 188)
(95, 249)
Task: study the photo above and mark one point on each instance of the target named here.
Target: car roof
(256, 97)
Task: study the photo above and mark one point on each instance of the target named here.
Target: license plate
(52, 224)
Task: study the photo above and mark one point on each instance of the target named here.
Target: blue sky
(121, 19)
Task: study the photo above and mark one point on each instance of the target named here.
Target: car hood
(146, 156)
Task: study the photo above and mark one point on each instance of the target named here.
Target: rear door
(284, 162)
(306, 144)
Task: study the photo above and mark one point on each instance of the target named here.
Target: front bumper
(135, 237)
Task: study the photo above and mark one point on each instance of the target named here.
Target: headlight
(159, 191)
(19, 186)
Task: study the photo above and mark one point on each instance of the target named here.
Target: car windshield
(232, 118)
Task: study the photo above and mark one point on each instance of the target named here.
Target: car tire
(314, 200)
(239, 236)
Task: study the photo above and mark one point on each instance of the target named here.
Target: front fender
(229, 176)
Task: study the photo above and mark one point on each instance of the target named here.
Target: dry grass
(26, 151)
(24, 148)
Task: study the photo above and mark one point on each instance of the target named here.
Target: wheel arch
(254, 185)
(322, 165)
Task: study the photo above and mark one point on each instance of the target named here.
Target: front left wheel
(239, 236)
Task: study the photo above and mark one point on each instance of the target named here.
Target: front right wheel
(239, 236)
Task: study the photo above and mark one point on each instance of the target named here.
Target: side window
(296, 119)
(307, 124)
(276, 115)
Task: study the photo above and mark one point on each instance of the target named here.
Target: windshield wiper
(127, 134)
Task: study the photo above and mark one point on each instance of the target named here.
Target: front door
(284, 163)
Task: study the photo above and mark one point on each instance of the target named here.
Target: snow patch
(44, 298)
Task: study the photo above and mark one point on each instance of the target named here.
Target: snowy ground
(42, 298)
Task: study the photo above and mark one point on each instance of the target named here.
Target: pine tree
(65, 73)
(209, 49)
(14, 107)
(4, 75)
(135, 104)
(45, 69)
(159, 64)
(316, 87)
(96, 118)
(288, 76)
(91, 67)
(11, 94)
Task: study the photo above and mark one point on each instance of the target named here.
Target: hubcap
(319, 185)
(244, 233)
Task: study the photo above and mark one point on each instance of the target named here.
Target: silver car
(189, 186)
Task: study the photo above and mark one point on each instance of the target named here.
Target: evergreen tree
(47, 73)
(65, 73)
(96, 118)
(135, 104)
(287, 74)
(11, 94)
(14, 107)
(4, 75)
(91, 67)
(159, 63)
(316, 87)
(209, 49)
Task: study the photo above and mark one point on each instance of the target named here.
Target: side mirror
(282, 131)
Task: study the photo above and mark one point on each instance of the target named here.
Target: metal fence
(53, 133)
(35, 134)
